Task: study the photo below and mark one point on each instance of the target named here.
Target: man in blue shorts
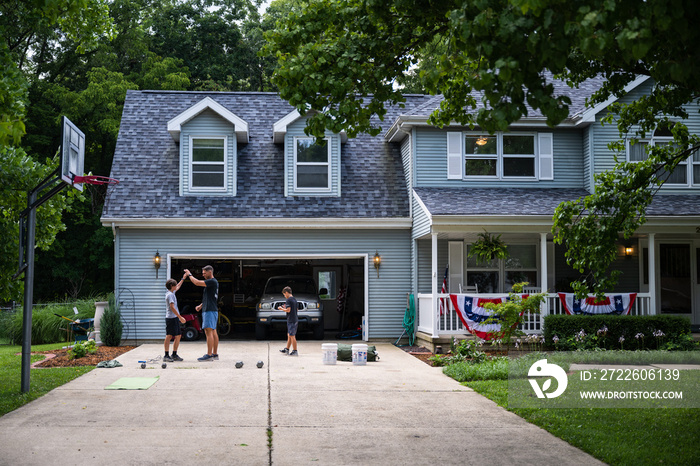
(290, 307)
(209, 309)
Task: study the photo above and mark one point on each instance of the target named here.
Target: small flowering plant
(640, 340)
(622, 342)
(660, 337)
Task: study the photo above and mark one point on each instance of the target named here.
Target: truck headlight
(312, 306)
(266, 306)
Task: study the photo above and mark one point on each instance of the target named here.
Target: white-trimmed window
(500, 156)
(312, 167)
(208, 163)
(500, 275)
(686, 173)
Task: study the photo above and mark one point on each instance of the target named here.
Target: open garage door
(340, 284)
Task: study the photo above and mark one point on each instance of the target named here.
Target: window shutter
(546, 152)
(454, 156)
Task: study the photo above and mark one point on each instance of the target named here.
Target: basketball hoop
(95, 179)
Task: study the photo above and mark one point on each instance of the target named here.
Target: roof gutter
(260, 223)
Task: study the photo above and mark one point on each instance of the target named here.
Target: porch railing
(448, 322)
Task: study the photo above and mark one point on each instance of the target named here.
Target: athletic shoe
(175, 357)
(206, 357)
(215, 357)
(284, 351)
(167, 359)
(294, 353)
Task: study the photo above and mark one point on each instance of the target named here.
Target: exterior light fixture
(156, 263)
(377, 262)
(628, 251)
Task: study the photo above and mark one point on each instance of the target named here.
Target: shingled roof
(533, 202)
(146, 162)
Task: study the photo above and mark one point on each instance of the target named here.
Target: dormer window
(208, 163)
(312, 165)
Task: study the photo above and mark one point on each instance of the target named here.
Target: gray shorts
(292, 328)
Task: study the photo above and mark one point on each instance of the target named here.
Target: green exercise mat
(132, 383)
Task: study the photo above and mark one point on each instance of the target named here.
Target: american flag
(443, 301)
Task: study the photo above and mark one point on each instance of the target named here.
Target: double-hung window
(208, 163)
(686, 173)
(312, 168)
(502, 155)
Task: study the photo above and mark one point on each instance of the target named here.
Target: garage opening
(339, 286)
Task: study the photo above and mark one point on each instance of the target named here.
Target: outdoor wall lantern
(156, 263)
(629, 250)
(377, 262)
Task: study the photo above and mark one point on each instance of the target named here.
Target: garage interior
(242, 281)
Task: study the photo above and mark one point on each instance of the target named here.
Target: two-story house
(231, 180)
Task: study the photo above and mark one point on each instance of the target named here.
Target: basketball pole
(26, 265)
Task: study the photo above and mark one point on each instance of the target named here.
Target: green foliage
(569, 333)
(510, 313)
(46, 326)
(488, 247)
(491, 369)
(345, 60)
(464, 351)
(82, 348)
(111, 324)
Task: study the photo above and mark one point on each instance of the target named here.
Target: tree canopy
(348, 60)
(78, 58)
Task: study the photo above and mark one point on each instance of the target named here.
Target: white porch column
(544, 308)
(543, 262)
(652, 274)
(433, 285)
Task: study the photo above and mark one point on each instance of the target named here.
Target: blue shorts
(209, 319)
(292, 328)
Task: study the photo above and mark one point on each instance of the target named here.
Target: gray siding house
(231, 180)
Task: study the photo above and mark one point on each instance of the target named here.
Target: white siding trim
(240, 126)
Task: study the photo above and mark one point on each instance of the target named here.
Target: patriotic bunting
(473, 315)
(619, 304)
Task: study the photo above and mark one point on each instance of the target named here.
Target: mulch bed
(59, 358)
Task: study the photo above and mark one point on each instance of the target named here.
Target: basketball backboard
(72, 153)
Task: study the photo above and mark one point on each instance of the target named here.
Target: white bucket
(359, 354)
(330, 353)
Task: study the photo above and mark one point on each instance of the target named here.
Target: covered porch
(661, 264)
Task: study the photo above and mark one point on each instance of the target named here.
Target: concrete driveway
(293, 411)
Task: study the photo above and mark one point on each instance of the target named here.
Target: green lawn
(41, 381)
(618, 436)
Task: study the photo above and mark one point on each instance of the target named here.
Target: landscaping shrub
(46, 326)
(111, 324)
(575, 332)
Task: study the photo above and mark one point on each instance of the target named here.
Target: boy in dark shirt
(290, 307)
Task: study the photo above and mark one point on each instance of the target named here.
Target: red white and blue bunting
(473, 315)
(618, 303)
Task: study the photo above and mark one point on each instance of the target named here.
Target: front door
(675, 279)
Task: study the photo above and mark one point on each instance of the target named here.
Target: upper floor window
(208, 164)
(686, 173)
(474, 156)
(312, 165)
(503, 155)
